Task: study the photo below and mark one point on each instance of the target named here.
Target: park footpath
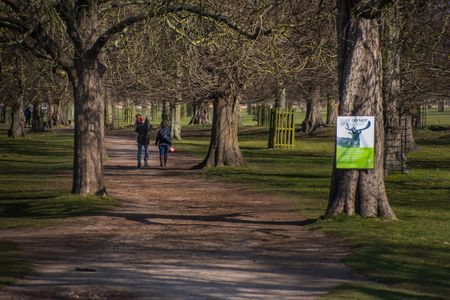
(176, 235)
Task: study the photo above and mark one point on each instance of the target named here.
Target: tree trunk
(224, 146)
(249, 107)
(410, 143)
(165, 113)
(17, 118)
(200, 113)
(175, 128)
(395, 152)
(360, 191)
(108, 109)
(37, 123)
(89, 130)
(56, 115)
(280, 98)
(332, 110)
(416, 116)
(441, 105)
(313, 118)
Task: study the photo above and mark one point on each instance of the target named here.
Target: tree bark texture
(224, 145)
(200, 113)
(165, 113)
(332, 110)
(89, 109)
(175, 114)
(313, 118)
(89, 132)
(410, 142)
(360, 94)
(56, 113)
(108, 109)
(37, 122)
(280, 98)
(395, 146)
(17, 118)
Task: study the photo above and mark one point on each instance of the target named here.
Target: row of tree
(388, 54)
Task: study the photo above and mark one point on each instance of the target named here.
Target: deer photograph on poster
(355, 142)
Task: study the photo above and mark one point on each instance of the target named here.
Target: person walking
(27, 115)
(137, 120)
(163, 141)
(143, 140)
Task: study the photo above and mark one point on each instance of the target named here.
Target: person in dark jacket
(143, 139)
(27, 115)
(163, 141)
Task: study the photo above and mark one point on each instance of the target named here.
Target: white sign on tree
(355, 142)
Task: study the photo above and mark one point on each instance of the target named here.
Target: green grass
(35, 181)
(12, 263)
(438, 118)
(409, 258)
(406, 259)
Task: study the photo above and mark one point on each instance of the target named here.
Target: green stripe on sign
(354, 158)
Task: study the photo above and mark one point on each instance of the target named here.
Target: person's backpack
(165, 135)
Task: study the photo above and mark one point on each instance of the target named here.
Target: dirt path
(176, 236)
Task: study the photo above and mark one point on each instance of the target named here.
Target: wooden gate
(282, 128)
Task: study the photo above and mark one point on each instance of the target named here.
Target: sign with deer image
(355, 142)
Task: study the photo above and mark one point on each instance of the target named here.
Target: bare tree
(360, 93)
(73, 34)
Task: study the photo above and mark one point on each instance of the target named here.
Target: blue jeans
(163, 150)
(139, 153)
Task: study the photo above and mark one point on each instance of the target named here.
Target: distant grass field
(438, 118)
(433, 118)
(406, 259)
(35, 183)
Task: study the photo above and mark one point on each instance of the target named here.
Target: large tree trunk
(17, 118)
(89, 131)
(165, 113)
(332, 110)
(175, 115)
(89, 108)
(313, 118)
(395, 152)
(200, 113)
(360, 94)
(224, 146)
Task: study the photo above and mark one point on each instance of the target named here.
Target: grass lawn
(406, 259)
(35, 181)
